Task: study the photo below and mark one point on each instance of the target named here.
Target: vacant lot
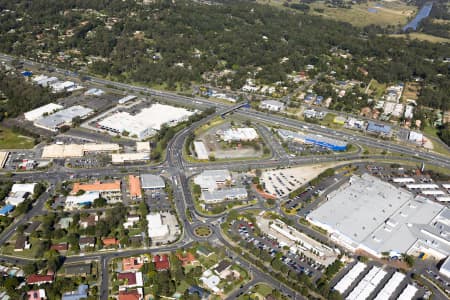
(12, 140)
(387, 13)
(411, 90)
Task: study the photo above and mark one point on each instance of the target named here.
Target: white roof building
(76, 150)
(63, 117)
(3, 158)
(143, 147)
(422, 186)
(23, 187)
(77, 201)
(156, 228)
(388, 290)
(152, 182)
(224, 195)
(126, 99)
(37, 113)
(212, 179)
(375, 216)
(415, 137)
(120, 158)
(445, 268)
(239, 134)
(346, 281)
(16, 198)
(368, 284)
(211, 281)
(146, 122)
(200, 150)
(408, 293)
(272, 105)
(403, 180)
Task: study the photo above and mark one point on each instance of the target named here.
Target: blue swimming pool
(422, 14)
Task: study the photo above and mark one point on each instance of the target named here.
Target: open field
(389, 13)
(411, 90)
(11, 140)
(422, 37)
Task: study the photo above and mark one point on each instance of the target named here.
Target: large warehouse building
(63, 117)
(314, 139)
(377, 217)
(145, 123)
(47, 109)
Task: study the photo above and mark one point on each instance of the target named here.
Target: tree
(100, 202)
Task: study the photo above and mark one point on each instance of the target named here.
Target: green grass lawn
(390, 13)
(11, 140)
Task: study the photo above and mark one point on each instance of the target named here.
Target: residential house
(110, 241)
(37, 294)
(86, 242)
(161, 262)
(90, 220)
(21, 243)
(79, 294)
(39, 279)
(187, 258)
(132, 263)
(60, 247)
(131, 279)
(135, 294)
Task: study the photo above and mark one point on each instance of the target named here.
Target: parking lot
(281, 182)
(304, 149)
(157, 201)
(90, 161)
(295, 262)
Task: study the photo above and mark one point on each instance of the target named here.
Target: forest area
(176, 44)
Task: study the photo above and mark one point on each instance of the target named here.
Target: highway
(176, 169)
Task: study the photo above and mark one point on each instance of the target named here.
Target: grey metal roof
(150, 181)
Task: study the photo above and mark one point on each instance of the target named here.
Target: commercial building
(408, 293)
(63, 117)
(16, 198)
(378, 128)
(75, 202)
(109, 190)
(156, 229)
(377, 217)
(145, 123)
(23, 187)
(388, 290)
(272, 105)
(143, 147)
(213, 179)
(134, 186)
(76, 150)
(217, 196)
(152, 182)
(200, 150)
(403, 180)
(313, 139)
(238, 134)
(121, 158)
(368, 284)
(3, 158)
(37, 113)
(445, 268)
(344, 284)
(126, 99)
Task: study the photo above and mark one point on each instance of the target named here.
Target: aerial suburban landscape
(212, 149)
